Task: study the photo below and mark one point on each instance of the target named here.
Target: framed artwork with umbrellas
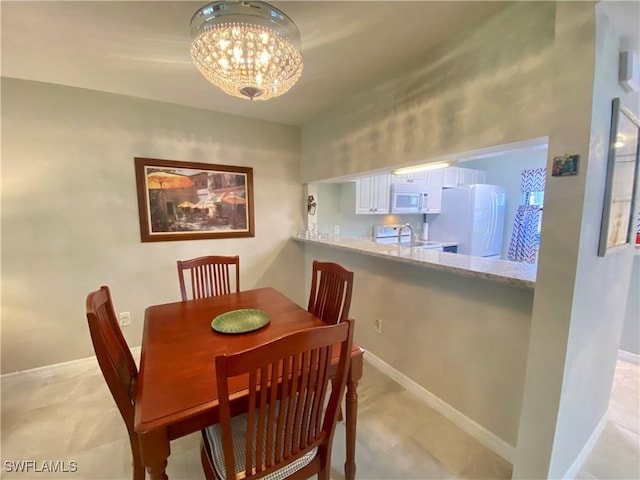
(190, 201)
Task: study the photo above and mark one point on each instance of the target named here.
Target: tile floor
(617, 453)
(71, 416)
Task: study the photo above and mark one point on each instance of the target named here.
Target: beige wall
(487, 86)
(463, 339)
(70, 215)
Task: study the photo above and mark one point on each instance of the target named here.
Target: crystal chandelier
(248, 49)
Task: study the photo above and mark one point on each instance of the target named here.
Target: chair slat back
(209, 276)
(288, 381)
(331, 289)
(116, 363)
(113, 354)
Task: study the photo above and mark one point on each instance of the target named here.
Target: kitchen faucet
(410, 227)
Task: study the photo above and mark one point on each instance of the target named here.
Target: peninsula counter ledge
(517, 274)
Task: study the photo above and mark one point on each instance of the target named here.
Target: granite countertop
(518, 274)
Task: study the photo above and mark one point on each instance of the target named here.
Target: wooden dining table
(176, 391)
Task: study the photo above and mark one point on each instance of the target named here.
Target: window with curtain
(525, 236)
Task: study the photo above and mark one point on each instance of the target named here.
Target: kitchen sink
(421, 244)
(389, 235)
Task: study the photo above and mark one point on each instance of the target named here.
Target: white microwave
(408, 200)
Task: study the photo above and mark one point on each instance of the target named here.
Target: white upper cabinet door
(466, 177)
(462, 177)
(373, 195)
(363, 195)
(417, 178)
(435, 180)
(451, 177)
(381, 194)
(403, 179)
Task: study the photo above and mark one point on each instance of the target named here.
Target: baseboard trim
(628, 357)
(586, 449)
(477, 431)
(71, 366)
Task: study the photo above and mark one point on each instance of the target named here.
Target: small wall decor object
(565, 165)
(621, 189)
(191, 201)
(311, 205)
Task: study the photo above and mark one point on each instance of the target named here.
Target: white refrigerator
(473, 217)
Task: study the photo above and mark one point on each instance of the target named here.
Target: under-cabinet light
(420, 168)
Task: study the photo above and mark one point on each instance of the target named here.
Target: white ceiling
(142, 48)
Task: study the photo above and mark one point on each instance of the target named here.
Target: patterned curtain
(524, 237)
(532, 180)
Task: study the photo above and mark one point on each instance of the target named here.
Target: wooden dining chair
(331, 287)
(117, 364)
(208, 276)
(283, 430)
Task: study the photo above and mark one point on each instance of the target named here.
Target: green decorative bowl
(240, 321)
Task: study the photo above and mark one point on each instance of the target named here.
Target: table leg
(154, 448)
(351, 420)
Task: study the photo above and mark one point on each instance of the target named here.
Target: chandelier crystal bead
(248, 49)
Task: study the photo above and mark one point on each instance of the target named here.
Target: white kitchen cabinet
(467, 177)
(451, 177)
(435, 180)
(373, 195)
(416, 178)
(461, 177)
(470, 176)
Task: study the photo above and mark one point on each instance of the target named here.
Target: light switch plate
(378, 325)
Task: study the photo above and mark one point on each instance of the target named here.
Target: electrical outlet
(336, 229)
(378, 326)
(124, 318)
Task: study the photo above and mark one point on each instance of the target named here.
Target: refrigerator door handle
(494, 220)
